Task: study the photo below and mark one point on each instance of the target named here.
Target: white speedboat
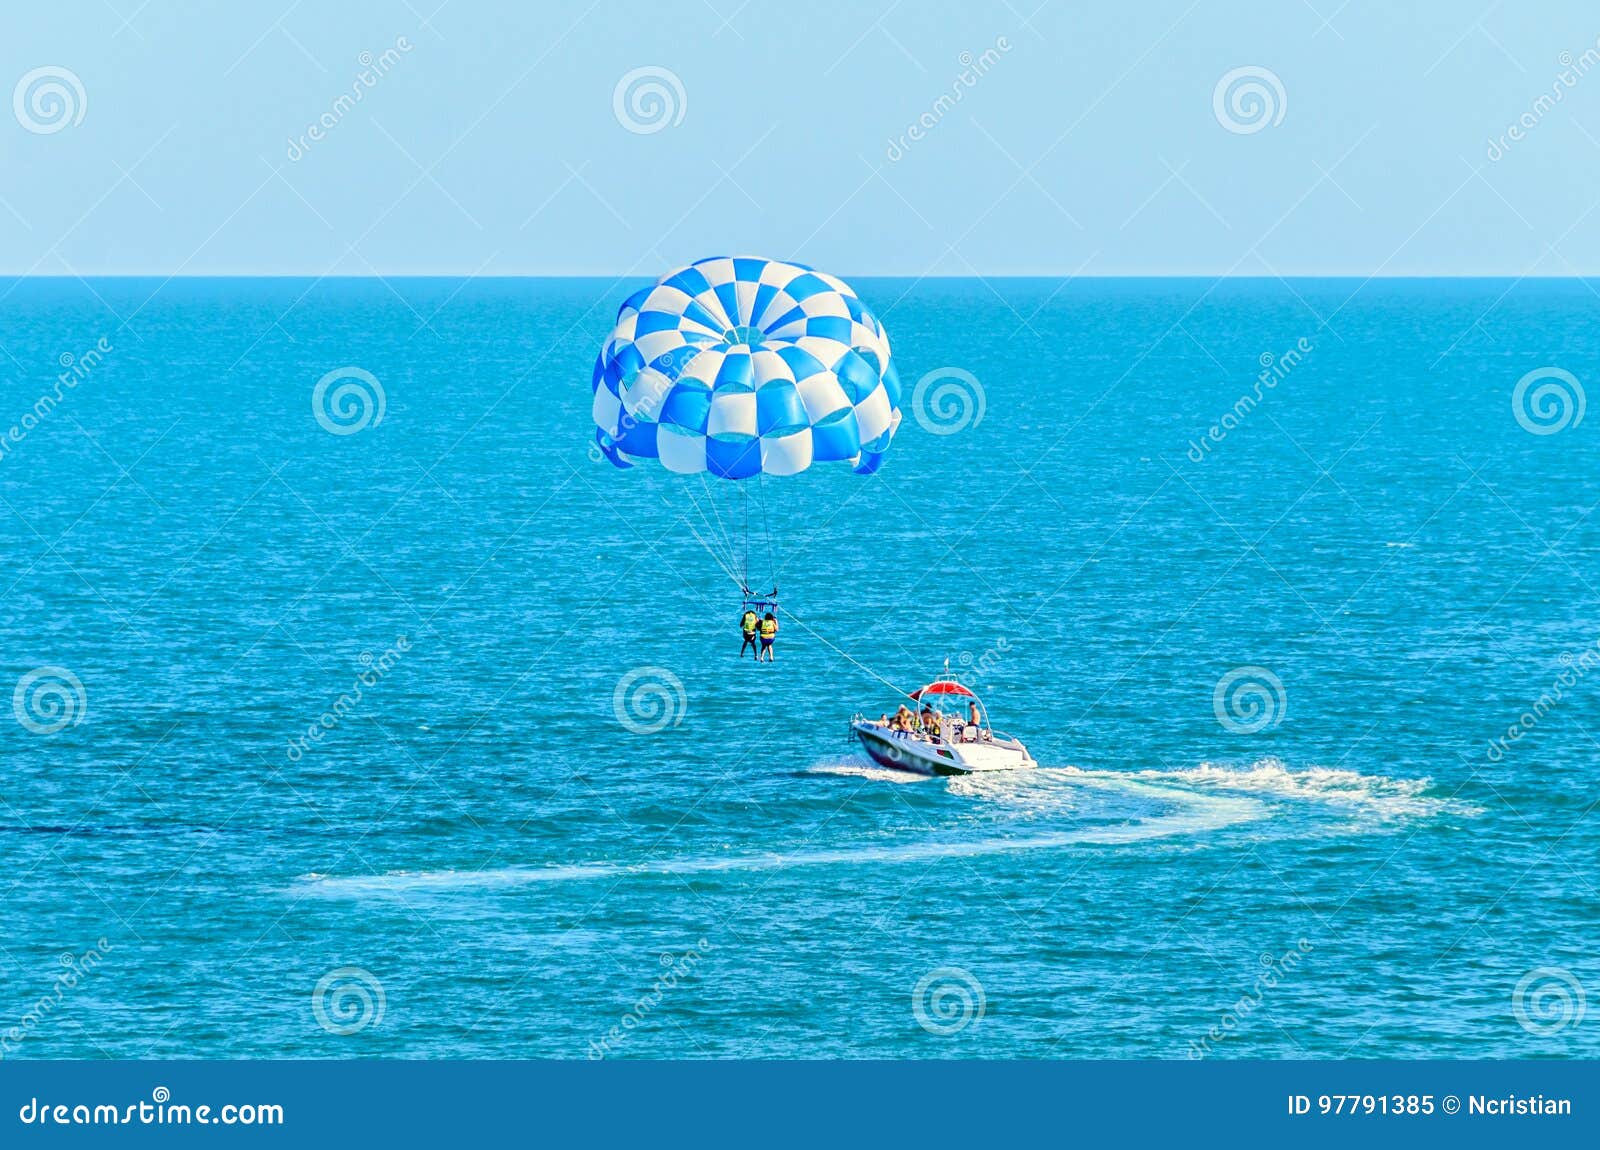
(949, 736)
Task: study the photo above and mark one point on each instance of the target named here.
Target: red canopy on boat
(942, 687)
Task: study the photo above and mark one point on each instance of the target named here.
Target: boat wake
(1188, 814)
(401, 881)
(854, 770)
(1051, 790)
(1180, 814)
(1373, 795)
(1107, 808)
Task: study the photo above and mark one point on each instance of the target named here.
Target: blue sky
(1091, 143)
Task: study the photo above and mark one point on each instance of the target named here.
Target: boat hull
(922, 757)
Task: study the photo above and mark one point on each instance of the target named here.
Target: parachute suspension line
(766, 529)
(715, 557)
(714, 523)
(844, 654)
(744, 506)
(723, 537)
(704, 522)
(730, 520)
(717, 546)
(715, 552)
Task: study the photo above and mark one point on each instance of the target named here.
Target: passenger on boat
(929, 720)
(748, 624)
(973, 716)
(903, 720)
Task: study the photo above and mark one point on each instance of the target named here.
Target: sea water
(348, 728)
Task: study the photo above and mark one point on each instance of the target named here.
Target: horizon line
(380, 276)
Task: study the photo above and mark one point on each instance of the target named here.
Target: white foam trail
(1194, 792)
(1198, 814)
(1052, 790)
(861, 771)
(1273, 778)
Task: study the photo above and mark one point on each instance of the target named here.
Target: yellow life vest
(769, 628)
(748, 623)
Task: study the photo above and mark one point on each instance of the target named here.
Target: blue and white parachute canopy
(742, 367)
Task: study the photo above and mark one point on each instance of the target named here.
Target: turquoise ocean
(1290, 587)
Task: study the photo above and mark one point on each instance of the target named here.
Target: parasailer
(769, 634)
(749, 622)
(742, 369)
